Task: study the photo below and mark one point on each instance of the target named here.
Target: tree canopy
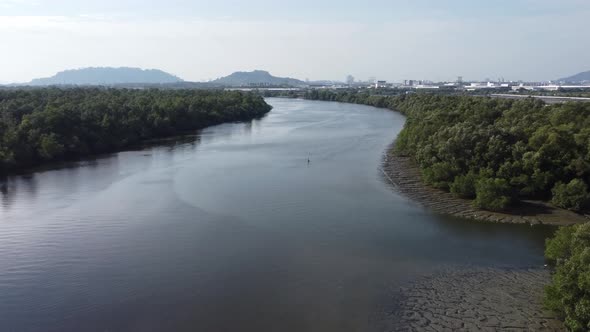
(39, 125)
(528, 148)
(569, 292)
(498, 151)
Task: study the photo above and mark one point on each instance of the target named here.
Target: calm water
(232, 230)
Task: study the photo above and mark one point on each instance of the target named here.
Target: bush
(464, 185)
(439, 175)
(573, 196)
(492, 194)
(49, 147)
(569, 291)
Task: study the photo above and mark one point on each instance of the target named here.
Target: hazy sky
(315, 39)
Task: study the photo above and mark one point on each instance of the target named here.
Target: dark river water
(233, 230)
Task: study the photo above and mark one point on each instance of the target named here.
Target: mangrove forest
(48, 124)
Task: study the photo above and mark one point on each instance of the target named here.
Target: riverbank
(488, 299)
(85, 122)
(402, 172)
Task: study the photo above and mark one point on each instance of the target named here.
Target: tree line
(497, 151)
(47, 124)
(494, 151)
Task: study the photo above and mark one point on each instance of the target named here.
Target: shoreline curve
(404, 176)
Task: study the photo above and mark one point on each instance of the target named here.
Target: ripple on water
(234, 224)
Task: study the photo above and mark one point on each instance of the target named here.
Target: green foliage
(500, 148)
(530, 145)
(464, 185)
(38, 125)
(573, 196)
(569, 292)
(49, 147)
(559, 246)
(439, 175)
(492, 194)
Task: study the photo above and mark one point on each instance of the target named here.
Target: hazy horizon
(390, 40)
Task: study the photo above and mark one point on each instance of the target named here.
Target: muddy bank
(475, 299)
(405, 176)
(472, 298)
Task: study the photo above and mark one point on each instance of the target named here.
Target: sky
(307, 39)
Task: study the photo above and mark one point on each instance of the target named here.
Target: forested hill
(494, 151)
(578, 78)
(107, 76)
(256, 77)
(39, 125)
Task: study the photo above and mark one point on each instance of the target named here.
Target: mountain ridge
(107, 76)
(577, 78)
(256, 77)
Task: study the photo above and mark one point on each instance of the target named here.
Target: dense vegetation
(569, 292)
(38, 125)
(584, 93)
(496, 151)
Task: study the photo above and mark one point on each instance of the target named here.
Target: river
(233, 230)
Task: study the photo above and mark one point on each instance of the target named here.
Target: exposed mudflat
(475, 299)
(405, 176)
(472, 298)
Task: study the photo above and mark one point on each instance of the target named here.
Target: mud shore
(475, 299)
(472, 298)
(404, 175)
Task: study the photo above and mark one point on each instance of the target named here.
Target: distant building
(549, 87)
(413, 83)
(261, 84)
(486, 85)
(380, 84)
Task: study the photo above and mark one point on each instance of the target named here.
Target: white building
(551, 87)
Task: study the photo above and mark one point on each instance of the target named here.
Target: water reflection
(23, 187)
(231, 229)
(7, 193)
(72, 179)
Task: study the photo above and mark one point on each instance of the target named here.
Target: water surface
(233, 230)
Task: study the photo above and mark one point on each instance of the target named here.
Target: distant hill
(107, 76)
(257, 77)
(578, 78)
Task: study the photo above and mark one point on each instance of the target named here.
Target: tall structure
(459, 79)
(349, 80)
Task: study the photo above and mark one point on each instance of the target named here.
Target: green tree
(492, 194)
(439, 175)
(49, 147)
(464, 185)
(527, 143)
(44, 124)
(569, 291)
(573, 196)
